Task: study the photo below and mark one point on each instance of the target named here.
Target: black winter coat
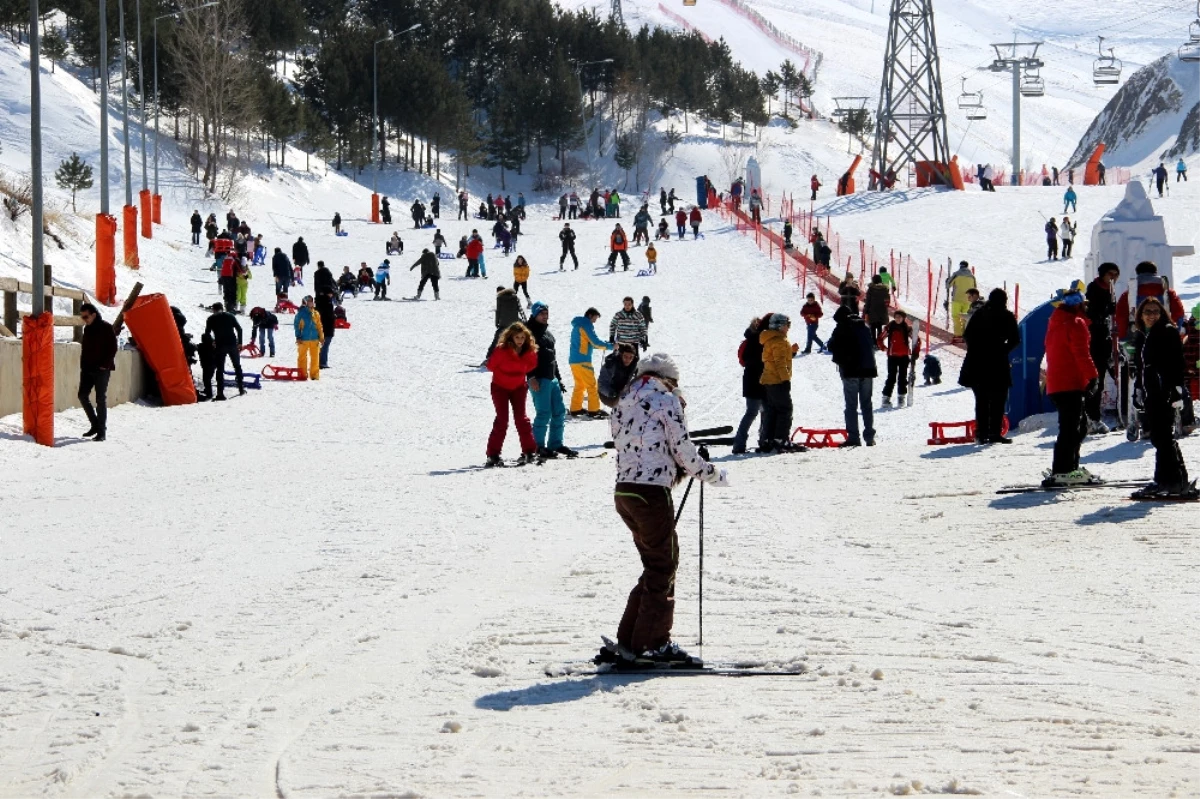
(324, 306)
(508, 308)
(614, 376)
(1100, 310)
(197, 223)
(99, 346)
(1162, 365)
(224, 329)
(323, 282)
(852, 348)
(300, 254)
(547, 365)
(281, 268)
(875, 309)
(752, 371)
(991, 335)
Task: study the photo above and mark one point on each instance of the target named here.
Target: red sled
(272, 372)
(341, 324)
(251, 351)
(938, 434)
(286, 306)
(820, 438)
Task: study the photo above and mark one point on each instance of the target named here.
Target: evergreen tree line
(505, 83)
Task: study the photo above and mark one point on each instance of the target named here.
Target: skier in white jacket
(654, 453)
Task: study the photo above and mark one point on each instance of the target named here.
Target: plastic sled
(818, 438)
(938, 432)
(249, 380)
(343, 233)
(286, 306)
(445, 256)
(251, 351)
(341, 324)
(272, 372)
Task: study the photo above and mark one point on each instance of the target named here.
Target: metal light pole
(1009, 57)
(124, 101)
(375, 116)
(104, 108)
(141, 90)
(156, 106)
(35, 158)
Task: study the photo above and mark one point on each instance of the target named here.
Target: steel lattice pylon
(910, 124)
(615, 14)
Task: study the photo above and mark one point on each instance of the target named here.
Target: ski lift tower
(1018, 57)
(910, 126)
(848, 107)
(615, 14)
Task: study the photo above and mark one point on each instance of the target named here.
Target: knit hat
(1071, 296)
(537, 308)
(659, 364)
(778, 320)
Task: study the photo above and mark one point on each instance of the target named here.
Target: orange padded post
(375, 207)
(846, 184)
(157, 203)
(152, 326)
(147, 214)
(129, 234)
(37, 372)
(106, 276)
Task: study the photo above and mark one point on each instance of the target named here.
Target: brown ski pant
(649, 513)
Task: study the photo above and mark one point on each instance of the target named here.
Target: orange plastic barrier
(1091, 171)
(147, 214)
(845, 184)
(106, 273)
(375, 208)
(152, 326)
(129, 233)
(935, 173)
(37, 372)
(157, 203)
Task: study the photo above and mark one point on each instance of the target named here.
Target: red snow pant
(649, 513)
(501, 399)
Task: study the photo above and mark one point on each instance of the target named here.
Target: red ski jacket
(1069, 364)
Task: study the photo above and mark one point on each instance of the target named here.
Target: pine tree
(626, 155)
(73, 174)
(54, 46)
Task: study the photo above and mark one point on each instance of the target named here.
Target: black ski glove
(1092, 387)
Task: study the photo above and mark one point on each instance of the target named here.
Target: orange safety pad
(1091, 172)
(37, 374)
(375, 208)
(157, 203)
(152, 326)
(106, 275)
(147, 214)
(129, 217)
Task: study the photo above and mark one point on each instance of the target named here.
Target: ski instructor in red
(654, 453)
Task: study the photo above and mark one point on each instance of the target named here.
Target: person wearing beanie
(545, 386)
(627, 325)
(1070, 377)
(653, 450)
(584, 341)
(618, 369)
(430, 272)
(991, 336)
(750, 357)
(776, 381)
(875, 307)
(1148, 283)
(853, 352)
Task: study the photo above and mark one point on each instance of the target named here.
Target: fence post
(1017, 300)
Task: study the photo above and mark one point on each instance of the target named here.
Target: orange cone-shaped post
(129, 231)
(1091, 172)
(147, 214)
(37, 372)
(845, 184)
(152, 326)
(106, 275)
(375, 207)
(157, 203)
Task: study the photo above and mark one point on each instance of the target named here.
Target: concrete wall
(126, 385)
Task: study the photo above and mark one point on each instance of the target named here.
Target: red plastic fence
(683, 23)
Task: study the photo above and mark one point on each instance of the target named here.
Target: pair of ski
(601, 666)
(699, 437)
(1115, 484)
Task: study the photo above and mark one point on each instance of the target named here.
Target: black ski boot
(493, 461)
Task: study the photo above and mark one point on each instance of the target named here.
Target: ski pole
(701, 591)
(683, 501)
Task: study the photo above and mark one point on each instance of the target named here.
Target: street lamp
(156, 107)
(583, 120)
(375, 115)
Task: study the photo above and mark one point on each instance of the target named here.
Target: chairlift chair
(1190, 50)
(971, 103)
(1032, 84)
(1106, 70)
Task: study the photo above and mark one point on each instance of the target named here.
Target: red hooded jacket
(474, 249)
(509, 369)
(1069, 364)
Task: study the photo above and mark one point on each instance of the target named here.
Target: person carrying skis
(650, 434)
(584, 340)
(618, 244)
(681, 218)
(264, 325)
(514, 356)
(1066, 231)
(853, 352)
(545, 384)
(383, 279)
(1100, 305)
(1070, 377)
(1069, 198)
(627, 326)
(616, 372)
(310, 335)
(567, 237)
(956, 294)
(811, 313)
(991, 336)
(814, 184)
(1180, 170)
(776, 381)
(694, 218)
(753, 391)
(430, 271)
(895, 339)
(1160, 380)
(281, 269)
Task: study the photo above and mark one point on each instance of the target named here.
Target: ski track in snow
(288, 595)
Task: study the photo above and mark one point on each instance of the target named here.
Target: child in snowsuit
(664, 231)
(811, 313)
(652, 259)
(208, 363)
(932, 370)
(243, 286)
